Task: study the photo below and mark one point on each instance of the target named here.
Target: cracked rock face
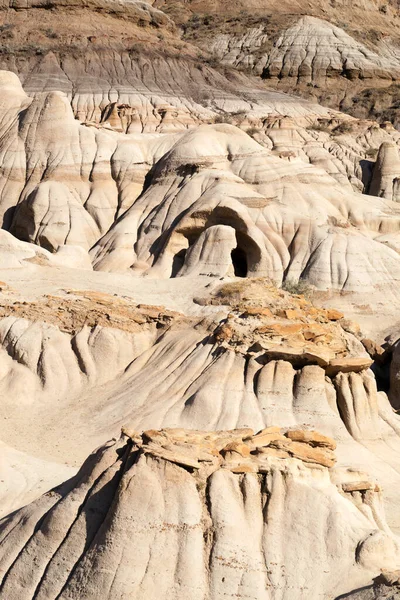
(178, 514)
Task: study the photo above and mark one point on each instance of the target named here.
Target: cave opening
(239, 261)
(178, 262)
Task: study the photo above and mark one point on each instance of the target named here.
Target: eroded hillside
(204, 270)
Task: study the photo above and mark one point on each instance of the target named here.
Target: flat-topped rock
(348, 365)
(226, 449)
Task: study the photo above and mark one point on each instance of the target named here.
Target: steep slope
(331, 51)
(167, 218)
(137, 55)
(126, 53)
(175, 514)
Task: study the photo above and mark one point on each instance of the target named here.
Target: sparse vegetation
(6, 31)
(371, 152)
(319, 127)
(344, 127)
(50, 33)
(223, 119)
(300, 287)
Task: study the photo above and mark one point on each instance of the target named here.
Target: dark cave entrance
(239, 261)
(178, 261)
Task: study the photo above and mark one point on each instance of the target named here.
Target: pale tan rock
(348, 365)
(280, 329)
(311, 437)
(125, 495)
(313, 331)
(237, 448)
(306, 453)
(265, 440)
(172, 455)
(357, 486)
(376, 352)
(334, 315)
(350, 326)
(274, 452)
(265, 437)
(258, 311)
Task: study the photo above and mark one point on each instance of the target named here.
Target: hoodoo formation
(199, 277)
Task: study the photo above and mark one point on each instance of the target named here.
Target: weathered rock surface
(314, 50)
(84, 357)
(342, 54)
(157, 203)
(211, 201)
(220, 523)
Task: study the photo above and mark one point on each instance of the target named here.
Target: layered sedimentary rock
(134, 54)
(349, 62)
(178, 514)
(80, 358)
(311, 50)
(152, 204)
(251, 193)
(209, 201)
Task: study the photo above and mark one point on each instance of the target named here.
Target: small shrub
(300, 287)
(319, 127)
(371, 152)
(6, 27)
(212, 61)
(344, 127)
(223, 119)
(6, 31)
(50, 33)
(231, 288)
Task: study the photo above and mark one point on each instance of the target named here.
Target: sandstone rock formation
(212, 266)
(386, 172)
(312, 50)
(256, 357)
(104, 188)
(178, 514)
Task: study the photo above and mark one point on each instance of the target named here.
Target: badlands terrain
(200, 300)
